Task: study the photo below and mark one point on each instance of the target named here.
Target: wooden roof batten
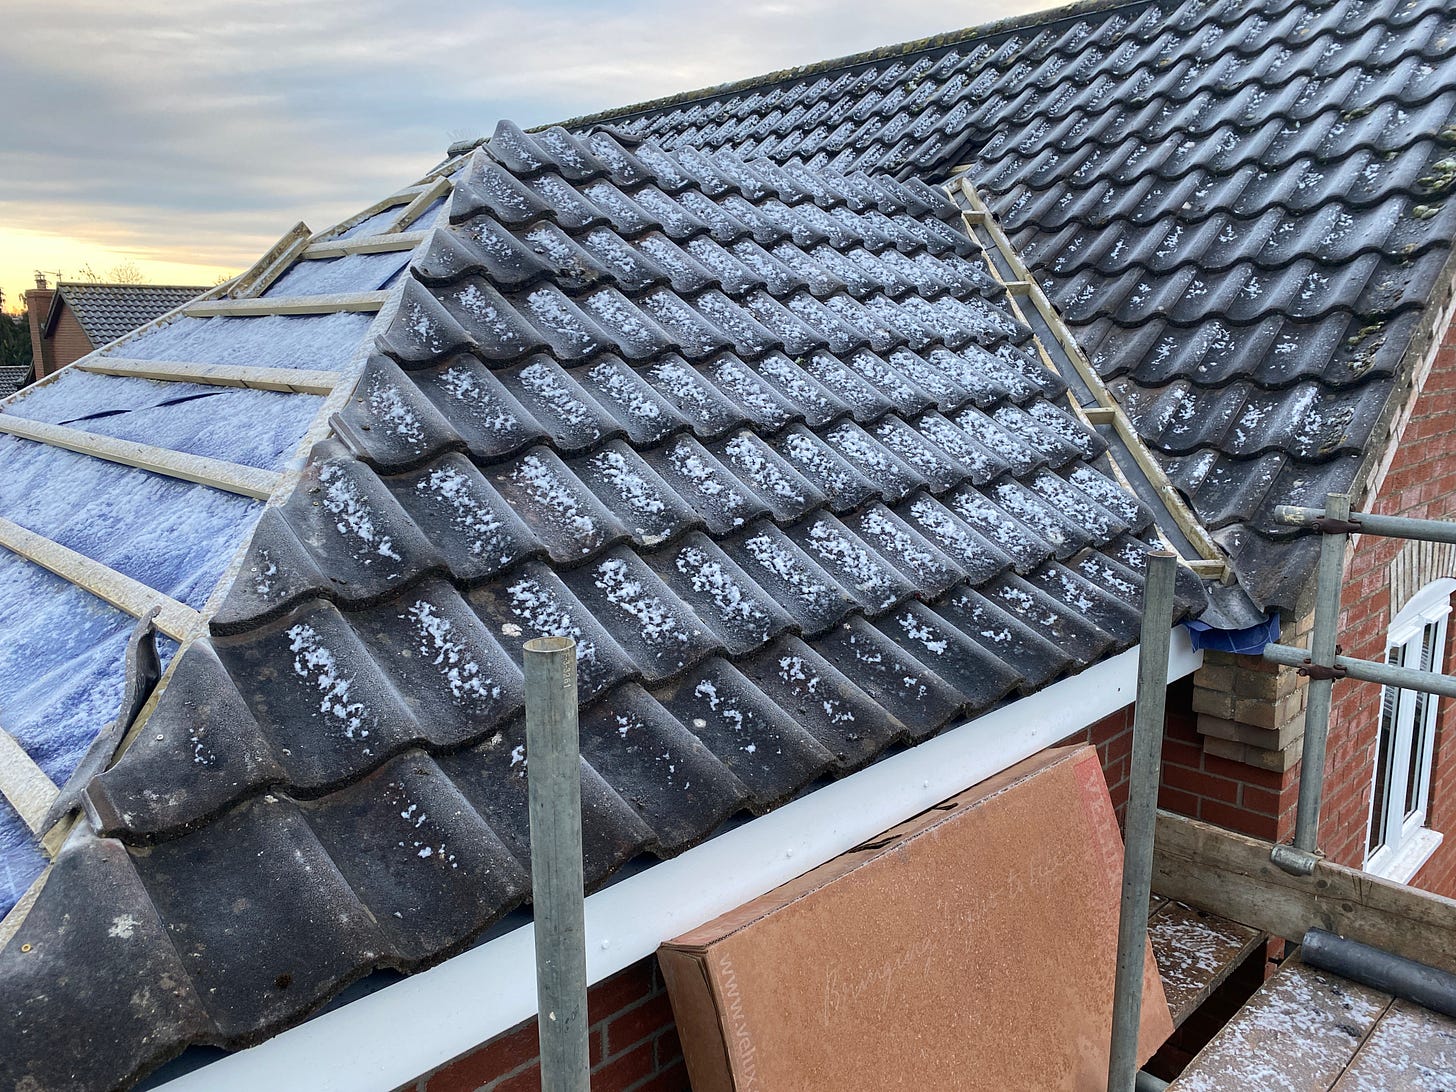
(287, 305)
(247, 481)
(176, 619)
(295, 380)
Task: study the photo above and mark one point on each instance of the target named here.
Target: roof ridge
(125, 284)
(1046, 17)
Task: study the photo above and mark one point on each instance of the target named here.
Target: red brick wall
(1216, 790)
(37, 305)
(68, 341)
(1421, 483)
(634, 1044)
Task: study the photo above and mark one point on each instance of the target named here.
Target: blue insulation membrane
(21, 860)
(375, 225)
(255, 428)
(351, 273)
(324, 342)
(171, 535)
(62, 664)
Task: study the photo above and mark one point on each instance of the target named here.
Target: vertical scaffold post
(1321, 674)
(554, 788)
(1142, 814)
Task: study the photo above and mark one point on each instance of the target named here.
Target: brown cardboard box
(972, 947)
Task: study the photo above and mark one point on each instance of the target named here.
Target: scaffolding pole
(1142, 817)
(1300, 858)
(554, 790)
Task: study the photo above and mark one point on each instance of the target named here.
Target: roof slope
(1241, 206)
(768, 444)
(109, 311)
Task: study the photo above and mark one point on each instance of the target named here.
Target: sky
(185, 138)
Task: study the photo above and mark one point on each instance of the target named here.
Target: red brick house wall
(634, 1043)
(37, 306)
(1421, 483)
(68, 342)
(1239, 768)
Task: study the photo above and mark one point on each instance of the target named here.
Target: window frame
(1403, 842)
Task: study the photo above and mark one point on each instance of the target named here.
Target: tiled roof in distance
(109, 311)
(767, 443)
(1241, 206)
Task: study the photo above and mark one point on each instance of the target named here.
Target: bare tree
(122, 273)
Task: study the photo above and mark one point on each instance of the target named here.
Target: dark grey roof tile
(201, 742)
(361, 540)
(498, 332)
(767, 477)
(698, 478)
(940, 469)
(917, 698)
(830, 473)
(1081, 597)
(858, 567)
(658, 631)
(430, 871)
(559, 510)
(998, 632)
(492, 776)
(651, 511)
(389, 423)
(981, 677)
(762, 404)
(447, 668)
(864, 400)
(572, 419)
(811, 596)
(535, 601)
(929, 569)
(815, 401)
(886, 471)
(423, 331)
(480, 409)
(262, 921)
(678, 787)
(695, 397)
(1045, 616)
(629, 266)
(276, 573)
(644, 415)
(476, 531)
(742, 616)
(131, 973)
(321, 701)
(771, 754)
(488, 188)
(844, 719)
(961, 541)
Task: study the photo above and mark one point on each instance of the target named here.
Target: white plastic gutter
(404, 1030)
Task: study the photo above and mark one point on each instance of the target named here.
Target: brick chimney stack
(37, 306)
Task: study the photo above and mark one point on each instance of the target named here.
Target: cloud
(200, 133)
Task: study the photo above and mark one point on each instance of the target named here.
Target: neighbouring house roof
(109, 311)
(769, 444)
(1241, 206)
(13, 377)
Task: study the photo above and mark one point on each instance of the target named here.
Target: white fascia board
(391, 1037)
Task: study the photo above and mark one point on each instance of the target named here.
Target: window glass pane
(1419, 725)
(1389, 702)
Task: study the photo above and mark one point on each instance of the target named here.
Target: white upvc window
(1399, 840)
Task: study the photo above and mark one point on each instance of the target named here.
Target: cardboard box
(972, 947)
